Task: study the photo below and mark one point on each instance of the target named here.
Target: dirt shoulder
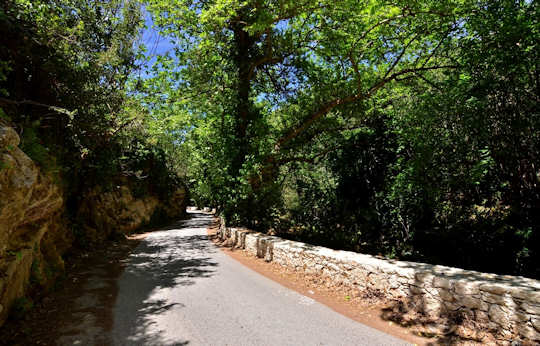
(361, 309)
(79, 308)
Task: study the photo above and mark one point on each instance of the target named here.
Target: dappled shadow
(171, 258)
(469, 275)
(195, 220)
(140, 334)
(409, 313)
(448, 321)
(170, 262)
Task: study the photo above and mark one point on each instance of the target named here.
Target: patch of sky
(156, 44)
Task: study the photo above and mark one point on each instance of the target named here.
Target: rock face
(34, 233)
(507, 305)
(109, 213)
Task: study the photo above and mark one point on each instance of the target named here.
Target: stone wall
(506, 305)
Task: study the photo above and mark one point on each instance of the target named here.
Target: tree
(64, 69)
(266, 77)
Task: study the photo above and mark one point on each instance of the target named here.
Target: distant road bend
(180, 289)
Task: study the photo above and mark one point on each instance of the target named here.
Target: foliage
(63, 76)
(259, 79)
(21, 306)
(394, 128)
(407, 128)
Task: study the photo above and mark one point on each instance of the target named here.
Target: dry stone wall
(508, 305)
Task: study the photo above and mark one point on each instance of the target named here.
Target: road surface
(180, 289)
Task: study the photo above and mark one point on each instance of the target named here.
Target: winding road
(180, 289)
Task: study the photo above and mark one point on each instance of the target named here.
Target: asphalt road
(180, 289)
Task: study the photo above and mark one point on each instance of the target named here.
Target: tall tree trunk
(244, 110)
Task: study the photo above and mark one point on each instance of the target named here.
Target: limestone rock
(530, 295)
(536, 323)
(116, 211)
(466, 288)
(442, 282)
(424, 278)
(527, 331)
(432, 307)
(503, 300)
(175, 206)
(446, 295)
(8, 137)
(531, 308)
(497, 289)
(33, 229)
(30, 222)
(498, 315)
(481, 316)
(474, 303)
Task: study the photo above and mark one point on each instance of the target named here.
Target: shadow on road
(173, 257)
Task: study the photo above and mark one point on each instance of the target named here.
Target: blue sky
(155, 43)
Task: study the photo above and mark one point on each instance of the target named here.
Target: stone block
(481, 316)
(531, 308)
(503, 300)
(432, 307)
(441, 282)
(446, 295)
(495, 288)
(265, 247)
(434, 292)
(452, 306)
(466, 288)
(473, 302)
(526, 330)
(535, 321)
(499, 315)
(518, 316)
(406, 273)
(251, 243)
(416, 290)
(424, 278)
(393, 283)
(242, 239)
(378, 282)
(527, 294)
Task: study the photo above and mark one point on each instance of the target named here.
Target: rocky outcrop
(508, 306)
(118, 211)
(32, 232)
(176, 203)
(108, 212)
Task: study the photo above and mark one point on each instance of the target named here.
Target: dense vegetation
(64, 67)
(403, 128)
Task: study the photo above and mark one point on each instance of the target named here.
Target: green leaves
(417, 107)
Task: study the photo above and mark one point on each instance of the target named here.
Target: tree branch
(314, 117)
(400, 56)
(329, 106)
(34, 103)
(394, 76)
